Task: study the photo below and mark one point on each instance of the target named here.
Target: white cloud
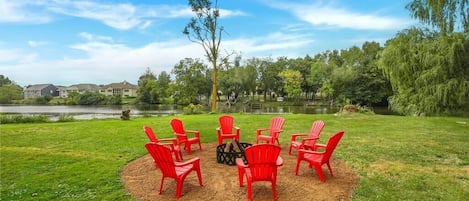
(21, 11)
(106, 61)
(335, 17)
(92, 37)
(32, 43)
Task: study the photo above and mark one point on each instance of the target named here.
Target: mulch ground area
(141, 179)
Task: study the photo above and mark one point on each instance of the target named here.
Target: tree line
(336, 77)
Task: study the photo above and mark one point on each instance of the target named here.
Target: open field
(397, 158)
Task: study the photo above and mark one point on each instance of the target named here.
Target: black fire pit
(229, 157)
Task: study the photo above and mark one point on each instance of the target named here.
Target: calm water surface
(90, 112)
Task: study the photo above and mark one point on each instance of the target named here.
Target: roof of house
(38, 86)
(84, 87)
(123, 85)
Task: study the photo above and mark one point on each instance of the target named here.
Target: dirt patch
(141, 179)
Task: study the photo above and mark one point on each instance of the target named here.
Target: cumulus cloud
(333, 16)
(21, 11)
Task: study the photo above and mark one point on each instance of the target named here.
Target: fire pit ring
(229, 158)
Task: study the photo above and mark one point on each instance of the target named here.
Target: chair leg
(161, 184)
(320, 173)
(274, 189)
(188, 148)
(179, 184)
(289, 151)
(200, 146)
(249, 189)
(199, 174)
(240, 176)
(297, 166)
(330, 169)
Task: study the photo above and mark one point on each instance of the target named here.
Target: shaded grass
(397, 158)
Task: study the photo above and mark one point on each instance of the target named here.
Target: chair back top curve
(262, 160)
(163, 158)
(276, 125)
(150, 134)
(177, 126)
(316, 129)
(226, 124)
(332, 144)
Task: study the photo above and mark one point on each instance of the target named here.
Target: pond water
(97, 112)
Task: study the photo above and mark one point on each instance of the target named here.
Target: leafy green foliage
(191, 81)
(442, 14)
(292, 82)
(429, 72)
(10, 92)
(193, 109)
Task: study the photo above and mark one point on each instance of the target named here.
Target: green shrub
(193, 109)
(13, 119)
(66, 118)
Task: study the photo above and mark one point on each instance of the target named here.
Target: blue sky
(67, 42)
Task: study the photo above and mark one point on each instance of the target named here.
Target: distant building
(80, 89)
(124, 89)
(38, 90)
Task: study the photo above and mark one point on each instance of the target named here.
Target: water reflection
(98, 112)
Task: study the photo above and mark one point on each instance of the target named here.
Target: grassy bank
(397, 158)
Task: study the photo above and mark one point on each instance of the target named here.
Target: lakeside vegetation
(396, 157)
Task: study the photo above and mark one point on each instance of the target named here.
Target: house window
(126, 90)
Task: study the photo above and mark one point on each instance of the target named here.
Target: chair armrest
(219, 131)
(259, 131)
(296, 135)
(308, 139)
(240, 163)
(190, 161)
(303, 151)
(196, 133)
(237, 129)
(173, 140)
(279, 161)
(320, 145)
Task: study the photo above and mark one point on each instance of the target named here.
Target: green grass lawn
(397, 158)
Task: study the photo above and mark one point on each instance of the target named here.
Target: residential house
(124, 89)
(38, 90)
(79, 88)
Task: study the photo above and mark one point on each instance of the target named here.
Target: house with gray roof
(38, 90)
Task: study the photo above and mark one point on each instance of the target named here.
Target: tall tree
(163, 82)
(147, 88)
(429, 73)
(442, 14)
(292, 82)
(190, 80)
(205, 30)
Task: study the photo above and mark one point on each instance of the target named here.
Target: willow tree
(445, 15)
(205, 30)
(429, 70)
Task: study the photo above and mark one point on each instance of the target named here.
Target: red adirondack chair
(311, 137)
(227, 130)
(183, 138)
(274, 130)
(316, 158)
(169, 168)
(171, 142)
(263, 160)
